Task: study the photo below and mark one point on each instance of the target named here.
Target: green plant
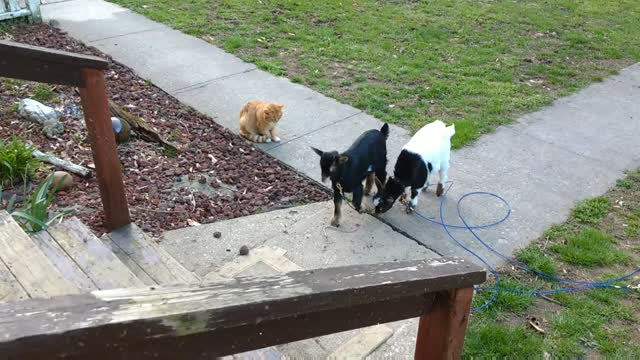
(33, 216)
(590, 247)
(16, 161)
(592, 211)
(43, 93)
(535, 258)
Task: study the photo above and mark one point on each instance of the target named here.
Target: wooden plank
(34, 7)
(10, 50)
(128, 261)
(38, 277)
(13, 15)
(154, 261)
(92, 255)
(10, 288)
(103, 146)
(441, 331)
(61, 260)
(14, 5)
(235, 316)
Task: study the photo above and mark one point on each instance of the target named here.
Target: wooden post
(93, 93)
(34, 6)
(441, 330)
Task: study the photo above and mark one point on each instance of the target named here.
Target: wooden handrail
(201, 322)
(33, 63)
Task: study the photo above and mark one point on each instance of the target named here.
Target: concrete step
(25, 271)
(146, 259)
(294, 239)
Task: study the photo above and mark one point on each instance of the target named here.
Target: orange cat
(258, 121)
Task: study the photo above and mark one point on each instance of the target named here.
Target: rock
(46, 116)
(202, 180)
(35, 111)
(121, 129)
(244, 250)
(217, 234)
(52, 129)
(62, 180)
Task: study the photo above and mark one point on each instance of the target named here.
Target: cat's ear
(279, 106)
(319, 152)
(343, 159)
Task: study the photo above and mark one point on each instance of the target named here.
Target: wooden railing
(217, 319)
(11, 9)
(85, 72)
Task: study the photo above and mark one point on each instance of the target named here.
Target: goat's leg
(444, 176)
(411, 206)
(337, 207)
(369, 184)
(357, 197)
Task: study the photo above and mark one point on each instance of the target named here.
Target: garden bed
(217, 175)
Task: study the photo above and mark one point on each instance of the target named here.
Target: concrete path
(299, 238)
(542, 165)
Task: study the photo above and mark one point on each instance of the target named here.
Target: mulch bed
(237, 179)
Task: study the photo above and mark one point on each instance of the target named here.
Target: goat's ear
(343, 159)
(319, 152)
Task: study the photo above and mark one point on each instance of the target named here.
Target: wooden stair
(69, 259)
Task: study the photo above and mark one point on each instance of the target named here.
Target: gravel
(252, 181)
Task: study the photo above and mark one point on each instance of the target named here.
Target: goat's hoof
(440, 190)
(335, 223)
(410, 209)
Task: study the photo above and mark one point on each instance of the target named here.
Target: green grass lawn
(477, 63)
(599, 241)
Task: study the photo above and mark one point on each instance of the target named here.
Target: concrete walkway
(542, 165)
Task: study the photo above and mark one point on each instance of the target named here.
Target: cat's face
(273, 112)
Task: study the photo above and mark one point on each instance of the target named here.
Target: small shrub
(591, 211)
(589, 248)
(33, 216)
(16, 161)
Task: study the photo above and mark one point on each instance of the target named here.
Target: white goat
(427, 152)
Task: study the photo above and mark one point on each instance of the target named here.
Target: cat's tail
(255, 137)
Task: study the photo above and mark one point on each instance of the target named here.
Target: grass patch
(592, 211)
(589, 248)
(594, 243)
(536, 259)
(489, 339)
(476, 63)
(16, 161)
(44, 93)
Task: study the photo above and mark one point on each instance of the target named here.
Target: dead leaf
(193, 222)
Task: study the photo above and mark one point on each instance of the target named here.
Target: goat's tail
(451, 130)
(385, 131)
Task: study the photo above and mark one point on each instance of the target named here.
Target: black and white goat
(427, 152)
(366, 158)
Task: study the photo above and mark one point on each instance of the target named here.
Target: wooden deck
(69, 259)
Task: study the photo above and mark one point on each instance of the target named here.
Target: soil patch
(219, 175)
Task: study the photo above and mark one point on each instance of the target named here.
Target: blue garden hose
(578, 284)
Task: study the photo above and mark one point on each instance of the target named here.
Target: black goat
(366, 158)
